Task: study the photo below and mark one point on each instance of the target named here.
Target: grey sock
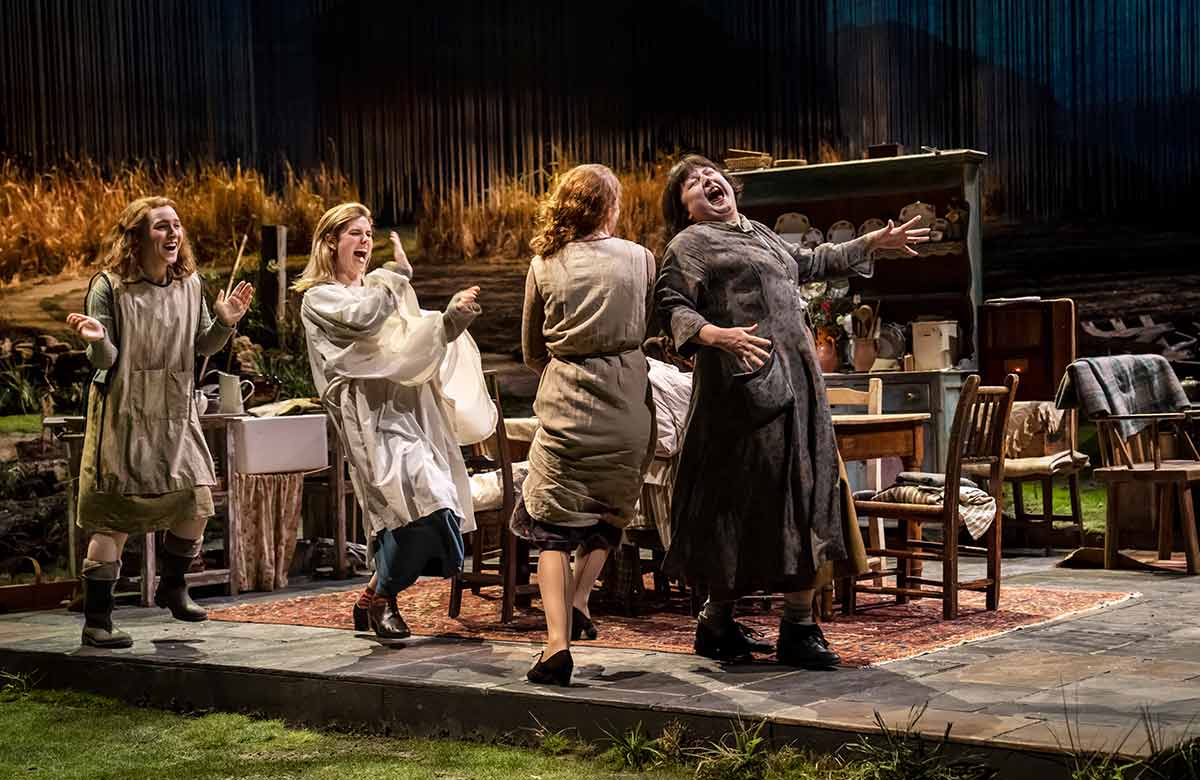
(798, 607)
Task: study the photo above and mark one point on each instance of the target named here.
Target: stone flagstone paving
(1081, 681)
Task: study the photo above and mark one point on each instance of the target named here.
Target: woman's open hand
(89, 329)
(752, 350)
(398, 255)
(230, 310)
(893, 237)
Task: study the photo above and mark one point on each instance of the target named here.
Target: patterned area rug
(880, 633)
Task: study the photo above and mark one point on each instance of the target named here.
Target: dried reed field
(52, 221)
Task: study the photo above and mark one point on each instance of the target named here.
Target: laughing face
(707, 196)
(352, 252)
(164, 235)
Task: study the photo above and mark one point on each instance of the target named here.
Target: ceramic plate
(841, 231)
(870, 225)
(792, 222)
(813, 237)
(918, 209)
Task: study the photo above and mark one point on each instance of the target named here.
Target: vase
(827, 356)
(865, 352)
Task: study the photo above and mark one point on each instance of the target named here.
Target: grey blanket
(1124, 384)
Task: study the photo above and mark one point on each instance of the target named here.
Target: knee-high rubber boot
(99, 585)
(172, 592)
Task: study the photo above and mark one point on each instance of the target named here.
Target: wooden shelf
(940, 249)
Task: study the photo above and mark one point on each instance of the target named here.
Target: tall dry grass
(501, 224)
(53, 221)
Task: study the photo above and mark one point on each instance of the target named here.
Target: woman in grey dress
(758, 501)
(586, 300)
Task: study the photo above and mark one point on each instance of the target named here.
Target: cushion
(1023, 468)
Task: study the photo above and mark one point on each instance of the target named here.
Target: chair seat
(1168, 470)
(1045, 466)
(889, 509)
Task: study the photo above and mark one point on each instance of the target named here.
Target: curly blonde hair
(121, 246)
(584, 200)
(321, 259)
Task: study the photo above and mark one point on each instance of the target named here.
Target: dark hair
(675, 216)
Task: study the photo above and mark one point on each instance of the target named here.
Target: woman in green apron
(145, 464)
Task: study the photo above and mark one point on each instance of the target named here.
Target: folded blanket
(1124, 384)
(976, 509)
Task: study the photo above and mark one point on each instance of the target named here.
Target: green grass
(1091, 499)
(68, 735)
(21, 423)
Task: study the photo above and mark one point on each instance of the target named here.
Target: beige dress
(145, 464)
(583, 326)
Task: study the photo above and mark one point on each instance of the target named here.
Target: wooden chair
(498, 558)
(976, 437)
(1044, 469)
(871, 400)
(1140, 459)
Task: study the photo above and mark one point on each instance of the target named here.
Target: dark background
(1089, 108)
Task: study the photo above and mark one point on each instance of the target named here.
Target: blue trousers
(429, 547)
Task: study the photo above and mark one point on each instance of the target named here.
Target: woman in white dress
(405, 389)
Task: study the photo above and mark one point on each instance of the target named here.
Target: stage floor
(1022, 698)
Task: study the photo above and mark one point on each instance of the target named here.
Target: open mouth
(715, 193)
(360, 254)
(172, 247)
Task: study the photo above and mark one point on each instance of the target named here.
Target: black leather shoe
(555, 670)
(732, 642)
(804, 646)
(386, 619)
(582, 626)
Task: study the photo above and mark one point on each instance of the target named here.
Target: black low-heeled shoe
(362, 620)
(555, 670)
(582, 626)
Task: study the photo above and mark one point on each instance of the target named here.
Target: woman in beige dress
(586, 302)
(145, 464)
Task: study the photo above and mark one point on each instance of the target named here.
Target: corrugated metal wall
(1090, 108)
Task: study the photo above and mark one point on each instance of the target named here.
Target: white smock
(403, 399)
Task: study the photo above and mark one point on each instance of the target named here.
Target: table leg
(73, 555)
(233, 527)
(339, 512)
(149, 562)
(915, 462)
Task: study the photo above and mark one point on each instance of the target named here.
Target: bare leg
(587, 569)
(106, 546)
(191, 529)
(554, 582)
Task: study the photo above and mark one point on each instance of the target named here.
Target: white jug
(233, 392)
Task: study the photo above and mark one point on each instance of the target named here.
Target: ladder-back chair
(976, 437)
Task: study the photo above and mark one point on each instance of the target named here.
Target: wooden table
(871, 436)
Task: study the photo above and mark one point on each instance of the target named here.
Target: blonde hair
(121, 245)
(584, 199)
(321, 259)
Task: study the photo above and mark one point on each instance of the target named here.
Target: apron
(145, 464)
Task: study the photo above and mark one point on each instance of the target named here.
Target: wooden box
(1030, 337)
